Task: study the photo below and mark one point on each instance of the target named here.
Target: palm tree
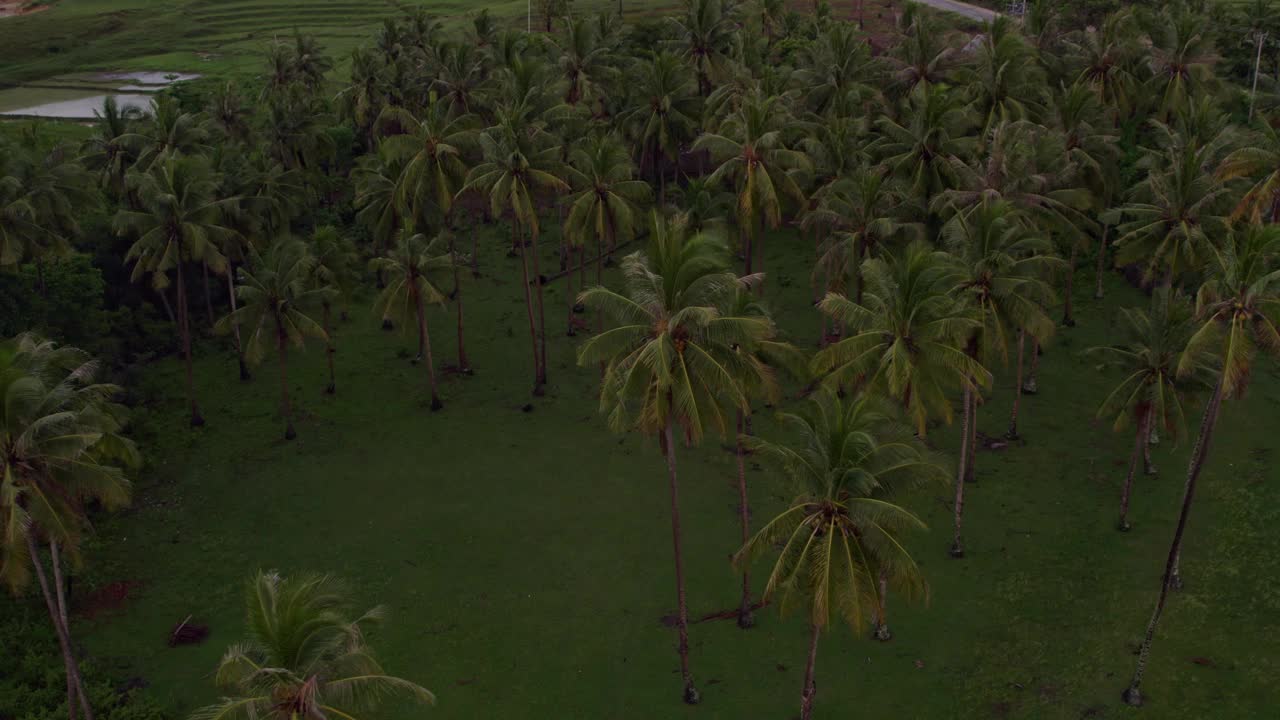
(605, 205)
(305, 657)
(60, 452)
(364, 99)
(850, 455)
(752, 154)
(1260, 160)
(1106, 58)
(839, 74)
(935, 135)
(333, 269)
(1181, 59)
(431, 149)
(1160, 367)
(586, 63)
(922, 59)
(907, 335)
(1003, 77)
(706, 32)
(517, 166)
(460, 77)
(411, 268)
(179, 222)
(277, 293)
(673, 362)
(665, 115)
(1238, 305)
(111, 150)
(168, 130)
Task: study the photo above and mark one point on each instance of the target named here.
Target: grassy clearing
(525, 556)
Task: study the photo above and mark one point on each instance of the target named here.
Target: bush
(32, 681)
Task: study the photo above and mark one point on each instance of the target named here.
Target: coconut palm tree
(906, 337)
(518, 164)
(60, 452)
(277, 294)
(838, 73)
(606, 203)
(935, 134)
(334, 257)
(431, 149)
(1160, 368)
(706, 32)
(180, 221)
(1259, 162)
(665, 114)
(841, 534)
(752, 153)
(586, 62)
(168, 130)
(304, 657)
(1003, 78)
(1239, 305)
(1181, 58)
(923, 58)
(111, 150)
(411, 269)
(1106, 57)
(673, 363)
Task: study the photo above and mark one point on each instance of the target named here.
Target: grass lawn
(525, 556)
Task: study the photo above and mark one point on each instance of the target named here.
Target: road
(973, 12)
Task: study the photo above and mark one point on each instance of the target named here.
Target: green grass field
(525, 556)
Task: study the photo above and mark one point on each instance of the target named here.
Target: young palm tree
(517, 166)
(907, 335)
(277, 293)
(60, 452)
(673, 364)
(1240, 306)
(411, 268)
(333, 269)
(305, 657)
(752, 153)
(605, 205)
(840, 535)
(1160, 368)
(180, 222)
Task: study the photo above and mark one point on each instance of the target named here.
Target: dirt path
(10, 8)
(973, 12)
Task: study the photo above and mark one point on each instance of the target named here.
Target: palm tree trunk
(475, 251)
(747, 250)
(1030, 386)
(168, 309)
(599, 281)
(810, 688)
(208, 299)
(64, 637)
(286, 406)
(1148, 439)
(528, 304)
(1133, 694)
(1257, 66)
(970, 470)
(464, 366)
(1139, 440)
(1102, 263)
(1017, 389)
(60, 596)
(235, 324)
(682, 609)
(957, 548)
(184, 329)
(862, 19)
(424, 351)
(569, 328)
(745, 617)
(329, 349)
(1067, 318)
(542, 315)
(882, 609)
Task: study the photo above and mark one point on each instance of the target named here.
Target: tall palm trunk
(1102, 263)
(542, 315)
(168, 309)
(286, 406)
(599, 280)
(64, 636)
(1030, 386)
(971, 470)
(957, 548)
(329, 349)
(424, 350)
(464, 366)
(1069, 290)
(528, 305)
(810, 688)
(745, 616)
(1133, 694)
(55, 561)
(1150, 438)
(208, 298)
(1257, 66)
(184, 329)
(1017, 389)
(235, 324)
(682, 610)
(747, 250)
(1139, 441)
(882, 609)
(570, 330)
(475, 251)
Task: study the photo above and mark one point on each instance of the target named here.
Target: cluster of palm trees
(950, 187)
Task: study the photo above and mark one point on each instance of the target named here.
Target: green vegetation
(826, 282)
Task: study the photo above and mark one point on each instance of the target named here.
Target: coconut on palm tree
(305, 656)
(839, 542)
(673, 364)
